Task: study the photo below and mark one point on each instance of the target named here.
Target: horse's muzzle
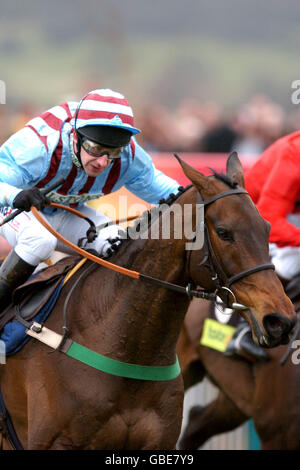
(278, 329)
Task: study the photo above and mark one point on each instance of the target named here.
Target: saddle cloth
(34, 300)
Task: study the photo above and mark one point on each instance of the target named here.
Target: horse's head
(236, 254)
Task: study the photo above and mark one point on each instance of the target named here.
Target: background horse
(267, 392)
(58, 403)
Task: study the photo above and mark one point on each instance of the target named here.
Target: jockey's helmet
(104, 116)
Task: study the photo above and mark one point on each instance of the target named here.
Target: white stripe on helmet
(93, 105)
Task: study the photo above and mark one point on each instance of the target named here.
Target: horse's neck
(130, 319)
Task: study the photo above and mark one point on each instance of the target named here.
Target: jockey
(273, 183)
(92, 145)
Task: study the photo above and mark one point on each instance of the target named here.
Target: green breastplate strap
(122, 369)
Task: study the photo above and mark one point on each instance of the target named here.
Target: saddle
(29, 298)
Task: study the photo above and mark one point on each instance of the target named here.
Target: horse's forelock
(225, 179)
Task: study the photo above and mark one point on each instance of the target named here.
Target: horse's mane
(172, 198)
(168, 201)
(148, 213)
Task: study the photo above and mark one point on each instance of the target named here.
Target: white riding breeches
(287, 259)
(35, 244)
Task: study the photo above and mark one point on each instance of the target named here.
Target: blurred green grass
(162, 69)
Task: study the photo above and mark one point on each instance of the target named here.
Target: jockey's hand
(113, 246)
(30, 197)
(109, 239)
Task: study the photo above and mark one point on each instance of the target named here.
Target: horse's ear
(197, 178)
(234, 169)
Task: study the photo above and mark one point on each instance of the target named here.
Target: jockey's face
(93, 166)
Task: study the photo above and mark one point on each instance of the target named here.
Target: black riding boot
(13, 272)
(242, 344)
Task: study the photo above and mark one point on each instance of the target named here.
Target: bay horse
(56, 402)
(268, 392)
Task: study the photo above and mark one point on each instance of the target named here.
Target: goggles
(98, 150)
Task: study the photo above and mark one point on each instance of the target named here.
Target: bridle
(218, 275)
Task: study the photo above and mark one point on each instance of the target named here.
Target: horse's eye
(225, 234)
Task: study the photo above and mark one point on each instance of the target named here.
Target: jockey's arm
(23, 162)
(279, 196)
(145, 181)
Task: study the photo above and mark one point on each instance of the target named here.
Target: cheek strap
(75, 155)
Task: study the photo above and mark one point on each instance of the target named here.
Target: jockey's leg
(13, 272)
(286, 261)
(32, 244)
(5, 248)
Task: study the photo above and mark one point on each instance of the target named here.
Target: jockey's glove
(30, 197)
(112, 248)
(108, 240)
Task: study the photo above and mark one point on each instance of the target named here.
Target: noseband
(218, 275)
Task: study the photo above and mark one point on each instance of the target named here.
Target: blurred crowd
(206, 127)
(193, 126)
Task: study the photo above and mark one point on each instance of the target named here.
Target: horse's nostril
(276, 325)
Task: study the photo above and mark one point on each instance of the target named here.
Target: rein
(107, 264)
(209, 256)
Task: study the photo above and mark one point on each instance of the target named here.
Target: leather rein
(218, 275)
